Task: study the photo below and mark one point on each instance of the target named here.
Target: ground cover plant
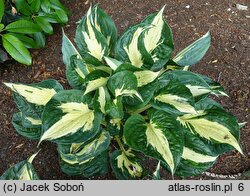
(25, 23)
(128, 92)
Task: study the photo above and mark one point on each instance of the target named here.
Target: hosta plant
(130, 100)
(25, 23)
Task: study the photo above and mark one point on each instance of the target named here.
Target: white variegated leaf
(34, 121)
(189, 154)
(158, 140)
(152, 37)
(179, 103)
(213, 130)
(198, 90)
(35, 95)
(76, 116)
(95, 84)
(132, 49)
(81, 153)
(112, 63)
(123, 163)
(145, 77)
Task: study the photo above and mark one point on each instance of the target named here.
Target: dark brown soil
(227, 61)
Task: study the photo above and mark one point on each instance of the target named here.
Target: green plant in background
(130, 93)
(25, 23)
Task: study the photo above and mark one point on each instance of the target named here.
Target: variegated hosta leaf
(207, 103)
(105, 25)
(146, 92)
(27, 126)
(112, 63)
(69, 118)
(196, 84)
(215, 87)
(101, 98)
(68, 50)
(76, 72)
(92, 44)
(156, 174)
(194, 52)
(80, 153)
(127, 67)
(114, 108)
(197, 157)
(123, 83)
(95, 80)
(31, 99)
(175, 97)
(148, 44)
(145, 77)
(214, 125)
(23, 170)
(126, 165)
(160, 138)
(94, 167)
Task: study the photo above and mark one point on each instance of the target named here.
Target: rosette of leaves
(24, 24)
(131, 93)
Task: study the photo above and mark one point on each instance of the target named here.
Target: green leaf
(94, 167)
(23, 170)
(79, 153)
(16, 49)
(62, 15)
(50, 17)
(197, 157)
(23, 26)
(68, 118)
(1, 9)
(27, 126)
(1, 26)
(148, 44)
(92, 44)
(194, 52)
(45, 6)
(126, 165)
(40, 39)
(175, 98)
(35, 6)
(160, 138)
(123, 83)
(44, 25)
(31, 99)
(27, 41)
(23, 7)
(214, 125)
(56, 4)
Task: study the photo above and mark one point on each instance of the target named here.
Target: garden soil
(227, 61)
